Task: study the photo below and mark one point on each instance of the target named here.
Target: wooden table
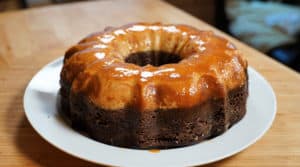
(30, 39)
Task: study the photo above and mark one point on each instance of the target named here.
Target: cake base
(155, 129)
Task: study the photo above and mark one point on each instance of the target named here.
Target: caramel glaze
(210, 67)
(154, 150)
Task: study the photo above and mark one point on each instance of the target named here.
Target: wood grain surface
(32, 38)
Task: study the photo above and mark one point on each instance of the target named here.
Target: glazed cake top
(209, 67)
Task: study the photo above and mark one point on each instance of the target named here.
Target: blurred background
(271, 26)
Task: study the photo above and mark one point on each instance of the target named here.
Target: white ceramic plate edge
(232, 152)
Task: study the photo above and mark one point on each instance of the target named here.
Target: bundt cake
(152, 85)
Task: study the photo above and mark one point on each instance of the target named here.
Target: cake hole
(154, 58)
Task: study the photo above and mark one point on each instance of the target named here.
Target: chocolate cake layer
(156, 129)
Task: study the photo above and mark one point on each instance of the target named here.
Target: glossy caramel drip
(154, 151)
(210, 66)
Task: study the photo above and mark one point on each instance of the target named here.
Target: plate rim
(231, 153)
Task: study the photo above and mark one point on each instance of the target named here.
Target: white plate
(40, 108)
